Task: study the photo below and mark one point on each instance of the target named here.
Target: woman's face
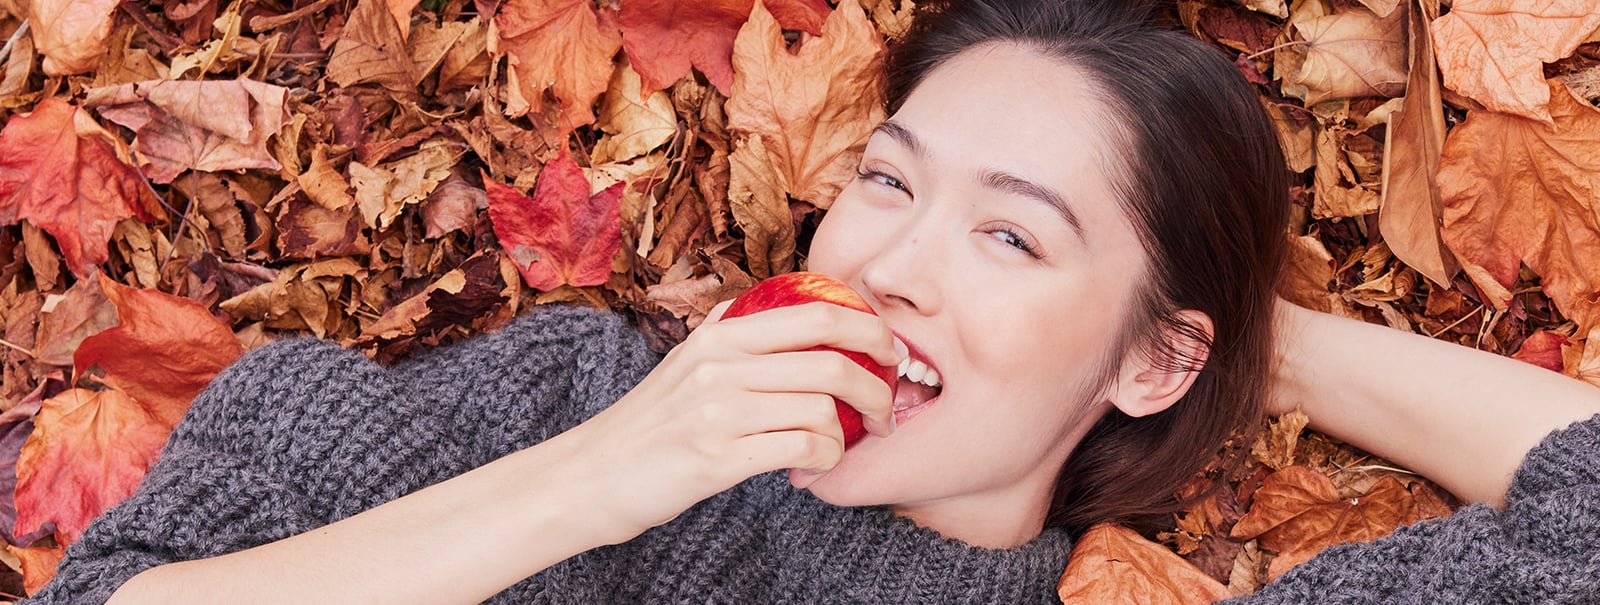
(985, 233)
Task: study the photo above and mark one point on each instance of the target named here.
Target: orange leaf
(1543, 349)
(1297, 513)
(1519, 191)
(812, 109)
(1494, 50)
(38, 565)
(1411, 210)
(58, 171)
(664, 37)
(71, 34)
(208, 126)
(562, 235)
(88, 451)
(563, 46)
(1114, 564)
(163, 351)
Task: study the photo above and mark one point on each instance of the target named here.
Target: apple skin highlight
(803, 287)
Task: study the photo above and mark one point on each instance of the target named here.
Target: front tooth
(931, 378)
(904, 364)
(916, 371)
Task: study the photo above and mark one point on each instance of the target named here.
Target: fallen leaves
(1492, 50)
(1522, 191)
(1351, 54)
(665, 37)
(59, 171)
(562, 235)
(208, 126)
(561, 46)
(803, 121)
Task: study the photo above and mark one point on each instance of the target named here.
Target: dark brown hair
(1199, 174)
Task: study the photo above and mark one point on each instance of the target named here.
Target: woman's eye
(1016, 240)
(881, 179)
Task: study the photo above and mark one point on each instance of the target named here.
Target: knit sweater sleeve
(301, 433)
(1544, 546)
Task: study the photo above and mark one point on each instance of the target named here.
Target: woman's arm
(738, 398)
(1461, 417)
(462, 540)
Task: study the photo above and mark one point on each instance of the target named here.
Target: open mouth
(919, 387)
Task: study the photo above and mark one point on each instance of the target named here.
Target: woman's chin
(841, 487)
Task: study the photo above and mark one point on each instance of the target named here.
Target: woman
(1069, 228)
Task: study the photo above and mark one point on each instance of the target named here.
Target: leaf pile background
(181, 181)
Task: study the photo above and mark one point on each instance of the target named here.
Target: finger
(716, 312)
(815, 324)
(765, 452)
(761, 413)
(826, 373)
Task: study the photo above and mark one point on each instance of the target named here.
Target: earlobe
(1152, 382)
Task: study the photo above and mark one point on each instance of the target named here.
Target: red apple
(804, 287)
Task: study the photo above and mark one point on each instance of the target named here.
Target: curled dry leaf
(1411, 210)
(1521, 191)
(561, 235)
(208, 126)
(59, 171)
(383, 191)
(665, 37)
(1493, 50)
(563, 46)
(1114, 564)
(71, 34)
(66, 319)
(38, 565)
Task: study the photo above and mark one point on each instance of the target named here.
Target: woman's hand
(737, 398)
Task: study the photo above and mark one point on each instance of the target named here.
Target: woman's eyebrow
(904, 136)
(1006, 182)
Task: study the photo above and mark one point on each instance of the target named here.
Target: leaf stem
(5, 51)
(1289, 44)
(16, 347)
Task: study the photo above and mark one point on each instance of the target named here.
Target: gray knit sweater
(301, 433)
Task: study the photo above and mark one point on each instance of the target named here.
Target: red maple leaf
(58, 171)
(664, 37)
(562, 235)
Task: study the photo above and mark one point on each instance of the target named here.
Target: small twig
(5, 51)
(1456, 322)
(167, 41)
(1289, 44)
(18, 348)
(262, 24)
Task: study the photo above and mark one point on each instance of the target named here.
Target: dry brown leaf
(634, 125)
(66, 319)
(1274, 447)
(1520, 191)
(1276, 8)
(383, 191)
(756, 197)
(1492, 50)
(323, 184)
(71, 34)
(1339, 193)
(1353, 53)
(1114, 564)
(372, 48)
(208, 126)
(814, 108)
(1411, 210)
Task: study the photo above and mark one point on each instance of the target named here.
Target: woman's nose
(905, 272)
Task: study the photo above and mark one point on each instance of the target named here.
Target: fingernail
(901, 349)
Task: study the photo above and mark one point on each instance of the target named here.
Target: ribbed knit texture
(301, 433)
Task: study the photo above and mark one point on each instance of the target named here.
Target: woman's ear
(1151, 381)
